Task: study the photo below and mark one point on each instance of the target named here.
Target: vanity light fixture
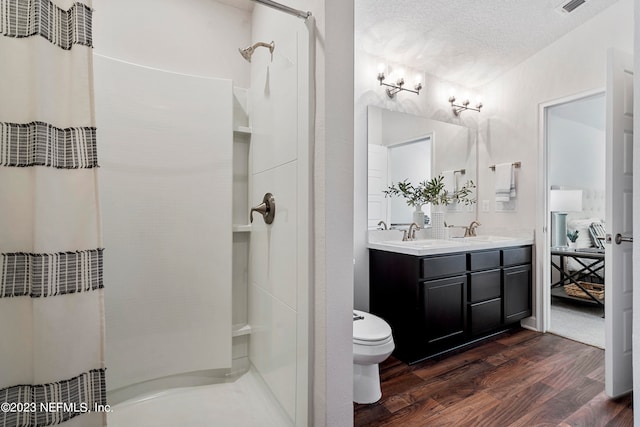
(398, 86)
(457, 109)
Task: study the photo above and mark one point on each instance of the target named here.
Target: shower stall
(206, 312)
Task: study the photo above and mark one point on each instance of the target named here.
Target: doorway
(618, 246)
(575, 191)
(395, 162)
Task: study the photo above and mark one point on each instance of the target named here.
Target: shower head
(248, 51)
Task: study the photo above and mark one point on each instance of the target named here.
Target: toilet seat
(373, 343)
(370, 330)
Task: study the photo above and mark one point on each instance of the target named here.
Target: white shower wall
(165, 183)
(200, 38)
(183, 38)
(279, 253)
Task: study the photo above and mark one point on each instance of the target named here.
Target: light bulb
(452, 96)
(381, 69)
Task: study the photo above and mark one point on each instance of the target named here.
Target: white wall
(413, 162)
(576, 154)
(509, 128)
(509, 122)
(198, 37)
(333, 212)
(636, 216)
(576, 150)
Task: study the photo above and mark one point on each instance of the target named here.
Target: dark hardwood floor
(521, 378)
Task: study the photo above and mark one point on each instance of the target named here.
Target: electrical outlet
(485, 206)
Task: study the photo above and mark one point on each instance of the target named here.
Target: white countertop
(420, 247)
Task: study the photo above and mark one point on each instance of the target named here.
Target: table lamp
(561, 202)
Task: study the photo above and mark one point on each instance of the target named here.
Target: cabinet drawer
(484, 285)
(485, 316)
(484, 260)
(516, 256)
(441, 266)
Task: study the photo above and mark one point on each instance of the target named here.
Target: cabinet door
(517, 293)
(444, 304)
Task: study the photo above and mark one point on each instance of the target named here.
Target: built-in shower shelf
(240, 329)
(241, 228)
(242, 129)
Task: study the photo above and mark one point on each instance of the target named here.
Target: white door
(619, 216)
(378, 182)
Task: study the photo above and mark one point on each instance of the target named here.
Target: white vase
(439, 231)
(418, 216)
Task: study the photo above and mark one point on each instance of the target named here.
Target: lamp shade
(565, 200)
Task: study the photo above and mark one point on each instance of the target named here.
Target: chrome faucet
(470, 231)
(382, 224)
(412, 231)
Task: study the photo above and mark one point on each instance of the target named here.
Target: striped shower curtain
(51, 290)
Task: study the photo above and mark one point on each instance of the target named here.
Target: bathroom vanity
(439, 295)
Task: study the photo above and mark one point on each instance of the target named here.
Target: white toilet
(372, 343)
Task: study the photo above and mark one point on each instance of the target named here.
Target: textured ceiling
(470, 42)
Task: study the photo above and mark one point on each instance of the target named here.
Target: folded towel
(449, 181)
(512, 187)
(505, 182)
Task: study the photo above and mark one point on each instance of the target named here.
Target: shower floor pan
(245, 402)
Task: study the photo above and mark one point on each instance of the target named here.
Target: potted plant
(572, 236)
(430, 191)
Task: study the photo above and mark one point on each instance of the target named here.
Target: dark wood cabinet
(444, 308)
(485, 316)
(443, 266)
(485, 300)
(437, 303)
(484, 285)
(517, 292)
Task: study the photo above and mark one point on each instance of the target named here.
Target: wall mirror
(405, 146)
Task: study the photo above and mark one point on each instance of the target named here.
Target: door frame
(542, 317)
(430, 136)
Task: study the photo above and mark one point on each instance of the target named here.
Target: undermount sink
(428, 243)
(484, 239)
(423, 243)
